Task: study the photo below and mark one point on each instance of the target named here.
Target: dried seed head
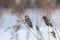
(47, 21)
(26, 16)
(37, 28)
(53, 34)
(28, 21)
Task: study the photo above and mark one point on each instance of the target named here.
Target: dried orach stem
(53, 34)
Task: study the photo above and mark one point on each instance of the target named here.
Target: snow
(9, 20)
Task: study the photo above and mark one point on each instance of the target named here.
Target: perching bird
(47, 21)
(28, 21)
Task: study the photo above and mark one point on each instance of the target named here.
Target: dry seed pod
(28, 21)
(47, 21)
(53, 34)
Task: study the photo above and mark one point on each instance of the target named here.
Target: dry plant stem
(27, 35)
(32, 32)
(17, 27)
(57, 34)
(16, 36)
(14, 32)
(55, 30)
(53, 34)
(12, 35)
(38, 32)
(30, 29)
(29, 25)
(48, 33)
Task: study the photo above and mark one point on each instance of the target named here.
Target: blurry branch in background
(29, 26)
(43, 4)
(17, 9)
(27, 34)
(14, 33)
(7, 3)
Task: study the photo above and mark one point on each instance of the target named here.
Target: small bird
(47, 21)
(28, 21)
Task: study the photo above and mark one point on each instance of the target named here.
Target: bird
(28, 21)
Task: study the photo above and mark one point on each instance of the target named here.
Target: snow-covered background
(9, 20)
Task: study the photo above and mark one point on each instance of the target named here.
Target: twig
(38, 32)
